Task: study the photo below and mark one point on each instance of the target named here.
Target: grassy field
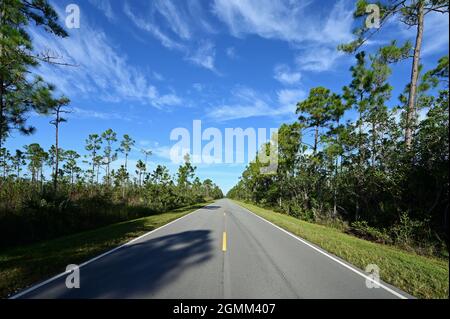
(420, 276)
(26, 265)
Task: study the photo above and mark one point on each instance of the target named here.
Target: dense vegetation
(81, 191)
(383, 176)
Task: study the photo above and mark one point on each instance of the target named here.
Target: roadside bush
(336, 223)
(363, 230)
(415, 235)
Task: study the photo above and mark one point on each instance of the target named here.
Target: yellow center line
(224, 241)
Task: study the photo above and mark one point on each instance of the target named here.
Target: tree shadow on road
(140, 269)
(211, 207)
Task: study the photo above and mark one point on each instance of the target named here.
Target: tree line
(384, 175)
(79, 191)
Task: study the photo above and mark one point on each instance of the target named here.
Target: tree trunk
(316, 138)
(93, 166)
(55, 180)
(336, 174)
(1, 79)
(360, 164)
(107, 173)
(374, 142)
(335, 188)
(42, 178)
(414, 76)
(2, 105)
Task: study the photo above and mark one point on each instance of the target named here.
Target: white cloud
(158, 76)
(105, 6)
(318, 59)
(291, 21)
(100, 70)
(144, 142)
(267, 18)
(198, 87)
(231, 53)
(175, 29)
(152, 28)
(204, 55)
(284, 75)
(79, 113)
(288, 98)
(162, 152)
(174, 18)
(436, 34)
(246, 103)
(286, 20)
(196, 12)
(167, 100)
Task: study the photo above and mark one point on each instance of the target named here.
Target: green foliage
(20, 92)
(362, 229)
(360, 173)
(31, 209)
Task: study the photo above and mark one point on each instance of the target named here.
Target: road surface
(219, 251)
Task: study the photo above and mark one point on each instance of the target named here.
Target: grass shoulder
(420, 276)
(23, 266)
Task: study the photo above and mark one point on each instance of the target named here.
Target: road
(219, 251)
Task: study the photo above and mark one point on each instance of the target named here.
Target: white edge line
(330, 256)
(26, 291)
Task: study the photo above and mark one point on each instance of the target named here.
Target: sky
(144, 68)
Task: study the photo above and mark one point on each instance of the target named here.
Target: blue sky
(147, 67)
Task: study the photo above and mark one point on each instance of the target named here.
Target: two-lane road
(220, 251)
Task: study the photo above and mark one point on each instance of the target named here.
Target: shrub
(362, 229)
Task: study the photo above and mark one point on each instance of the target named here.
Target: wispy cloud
(246, 103)
(231, 53)
(79, 113)
(284, 75)
(204, 56)
(100, 70)
(162, 152)
(197, 12)
(105, 7)
(291, 21)
(318, 59)
(152, 28)
(174, 27)
(174, 17)
(290, 97)
(436, 34)
(198, 87)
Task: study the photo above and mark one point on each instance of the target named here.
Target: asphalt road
(220, 251)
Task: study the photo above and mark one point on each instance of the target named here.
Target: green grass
(422, 277)
(23, 266)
